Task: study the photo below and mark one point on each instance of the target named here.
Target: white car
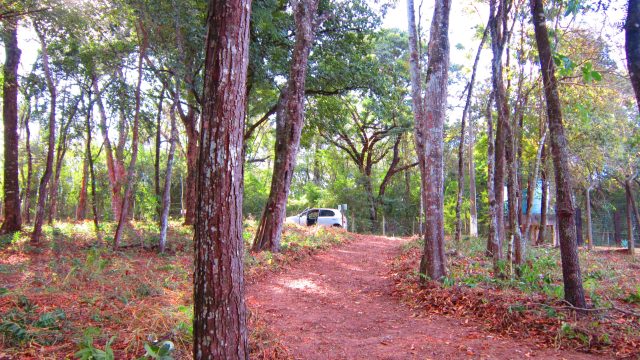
(319, 216)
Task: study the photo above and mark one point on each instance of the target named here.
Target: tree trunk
(630, 237)
(131, 171)
(429, 115)
(617, 227)
(579, 238)
(473, 208)
(494, 243)
(465, 112)
(46, 176)
(89, 160)
(589, 224)
(156, 166)
(26, 211)
(112, 170)
(573, 290)
(498, 40)
(166, 194)
(544, 201)
(635, 209)
(220, 315)
(81, 210)
(373, 210)
(11, 186)
(289, 122)
(60, 153)
(632, 46)
(192, 163)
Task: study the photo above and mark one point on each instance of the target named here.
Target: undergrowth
(531, 305)
(72, 296)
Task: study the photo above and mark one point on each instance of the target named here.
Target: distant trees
(220, 316)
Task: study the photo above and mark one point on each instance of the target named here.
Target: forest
(319, 179)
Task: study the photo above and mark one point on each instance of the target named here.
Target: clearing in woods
(339, 305)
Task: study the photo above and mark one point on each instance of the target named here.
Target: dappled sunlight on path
(339, 305)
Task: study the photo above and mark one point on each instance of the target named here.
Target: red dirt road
(338, 305)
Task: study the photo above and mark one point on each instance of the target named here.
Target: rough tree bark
(166, 193)
(465, 112)
(131, 171)
(289, 122)
(12, 217)
(220, 314)
(632, 46)
(504, 148)
(573, 290)
(429, 114)
(46, 176)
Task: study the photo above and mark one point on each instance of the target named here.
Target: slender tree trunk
(156, 167)
(545, 196)
(589, 224)
(166, 194)
(533, 182)
(429, 114)
(635, 209)
(60, 153)
(89, 160)
(473, 208)
(373, 209)
(617, 227)
(465, 112)
(629, 196)
(11, 185)
(46, 176)
(494, 244)
(81, 210)
(497, 27)
(114, 174)
(632, 45)
(289, 122)
(573, 290)
(131, 171)
(220, 315)
(26, 214)
(192, 163)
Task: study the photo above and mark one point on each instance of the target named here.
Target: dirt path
(338, 305)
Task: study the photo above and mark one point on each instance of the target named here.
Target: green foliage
(21, 324)
(160, 351)
(633, 297)
(87, 350)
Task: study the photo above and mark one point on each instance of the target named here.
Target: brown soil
(339, 305)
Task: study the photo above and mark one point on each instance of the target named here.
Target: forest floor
(342, 304)
(328, 295)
